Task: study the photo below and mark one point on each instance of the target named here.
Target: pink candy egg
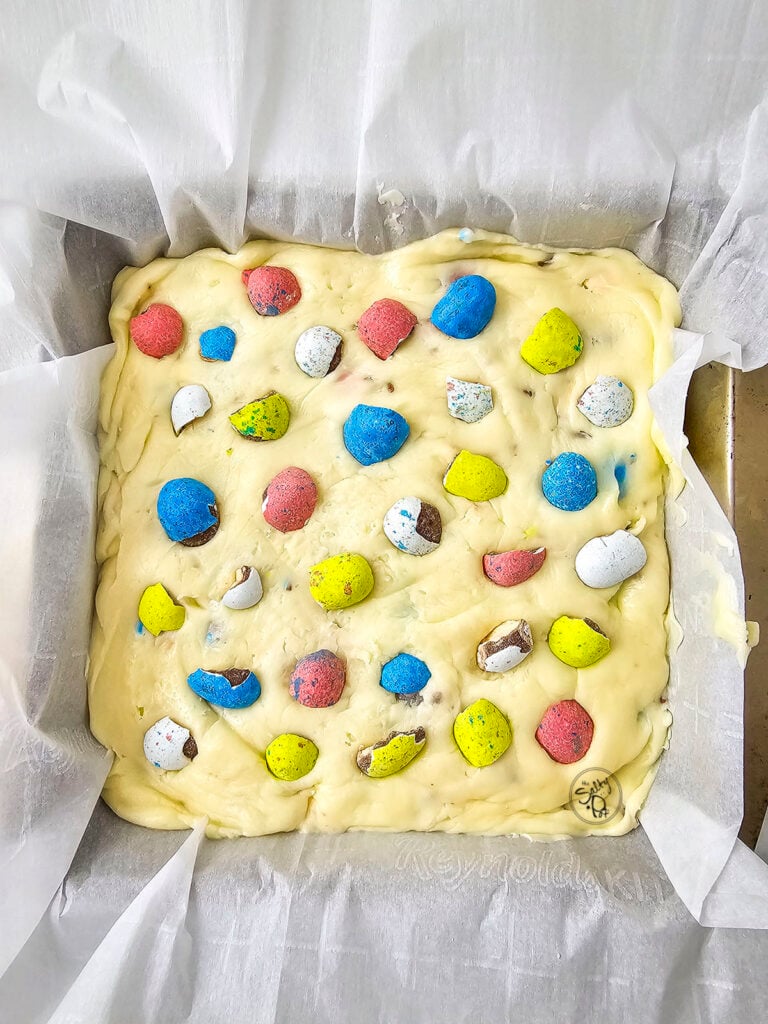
(508, 568)
(318, 679)
(289, 500)
(158, 331)
(384, 325)
(272, 290)
(565, 731)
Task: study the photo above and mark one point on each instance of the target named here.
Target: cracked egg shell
(271, 290)
(318, 679)
(264, 419)
(391, 755)
(466, 308)
(511, 568)
(158, 331)
(384, 326)
(609, 560)
(565, 731)
(554, 344)
(318, 351)
(246, 591)
(373, 433)
(187, 511)
(289, 499)
(404, 674)
(232, 688)
(475, 477)
(482, 733)
(169, 746)
(341, 581)
(413, 526)
(157, 611)
(569, 482)
(577, 642)
(608, 402)
(505, 646)
(290, 757)
(190, 403)
(467, 400)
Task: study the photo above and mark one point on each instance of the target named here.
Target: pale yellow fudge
(437, 606)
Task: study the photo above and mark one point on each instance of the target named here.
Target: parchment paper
(132, 130)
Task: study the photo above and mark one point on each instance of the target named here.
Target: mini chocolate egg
(404, 674)
(482, 733)
(289, 499)
(570, 482)
(466, 308)
(505, 646)
(392, 754)
(510, 568)
(157, 611)
(233, 688)
(554, 343)
(565, 731)
(373, 433)
(158, 331)
(468, 401)
(413, 525)
(290, 757)
(217, 344)
(187, 511)
(577, 642)
(246, 591)
(608, 402)
(265, 419)
(272, 290)
(340, 581)
(318, 351)
(609, 560)
(384, 325)
(169, 746)
(189, 403)
(475, 477)
(318, 679)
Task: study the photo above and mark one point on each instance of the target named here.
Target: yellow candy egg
(475, 477)
(392, 754)
(577, 642)
(290, 757)
(341, 581)
(266, 419)
(554, 343)
(158, 613)
(482, 733)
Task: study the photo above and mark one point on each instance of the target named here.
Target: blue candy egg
(217, 343)
(187, 511)
(373, 433)
(569, 483)
(233, 688)
(466, 307)
(405, 674)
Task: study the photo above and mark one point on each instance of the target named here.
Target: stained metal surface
(727, 425)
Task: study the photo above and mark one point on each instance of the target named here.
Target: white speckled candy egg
(609, 560)
(189, 403)
(607, 403)
(505, 646)
(318, 351)
(169, 746)
(246, 591)
(413, 525)
(467, 400)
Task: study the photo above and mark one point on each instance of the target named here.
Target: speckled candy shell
(272, 290)
(289, 500)
(466, 308)
(467, 400)
(577, 642)
(554, 344)
(157, 611)
(608, 402)
(290, 757)
(318, 351)
(265, 419)
(158, 331)
(318, 680)
(511, 568)
(341, 581)
(187, 511)
(404, 674)
(384, 326)
(233, 688)
(610, 560)
(389, 756)
(565, 731)
(482, 733)
(169, 746)
(570, 482)
(413, 526)
(475, 477)
(373, 433)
